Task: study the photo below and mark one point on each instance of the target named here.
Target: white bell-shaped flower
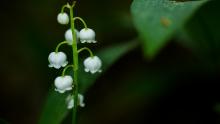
(69, 36)
(63, 83)
(70, 101)
(57, 60)
(63, 18)
(87, 35)
(93, 64)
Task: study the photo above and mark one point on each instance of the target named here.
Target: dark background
(29, 32)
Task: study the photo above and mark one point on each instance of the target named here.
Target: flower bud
(63, 18)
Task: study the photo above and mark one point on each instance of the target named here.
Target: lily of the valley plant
(58, 59)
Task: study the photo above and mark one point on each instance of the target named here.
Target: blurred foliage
(203, 36)
(157, 20)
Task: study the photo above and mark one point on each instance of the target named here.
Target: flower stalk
(60, 44)
(75, 63)
(86, 48)
(84, 23)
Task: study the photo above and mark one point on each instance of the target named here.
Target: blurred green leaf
(55, 109)
(202, 34)
(157, 20)
(138, 88)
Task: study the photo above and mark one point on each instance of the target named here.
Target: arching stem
(86, 48)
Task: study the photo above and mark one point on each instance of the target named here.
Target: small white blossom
(70, 101)
(69, 36)
(87, 36)
(63, 83)
(63, 18)
(93, 64)
(57, 60)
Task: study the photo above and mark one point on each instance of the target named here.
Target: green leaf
(157, 20)
(55, 109)
(202, 35)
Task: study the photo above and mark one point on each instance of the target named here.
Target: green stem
(75, 69)
(67, 6)
(86, 48)
(60, 44)
(63, 8)
(64, 70)
(84, 23)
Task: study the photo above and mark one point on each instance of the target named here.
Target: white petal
(50, 65)
(69, 88)
(83, 41)
(86, 70)
(57, 66)
(93, 72)
(81, 100)
(60, 91)
(70, 104)
(94, 41)
(65, 63)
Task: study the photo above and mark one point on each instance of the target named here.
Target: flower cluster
(58, 59)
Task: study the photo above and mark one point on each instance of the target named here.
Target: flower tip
(65, 63)
(60, 91)
(86, 70)
(94, 41)
(82, 105)
(50, 66)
